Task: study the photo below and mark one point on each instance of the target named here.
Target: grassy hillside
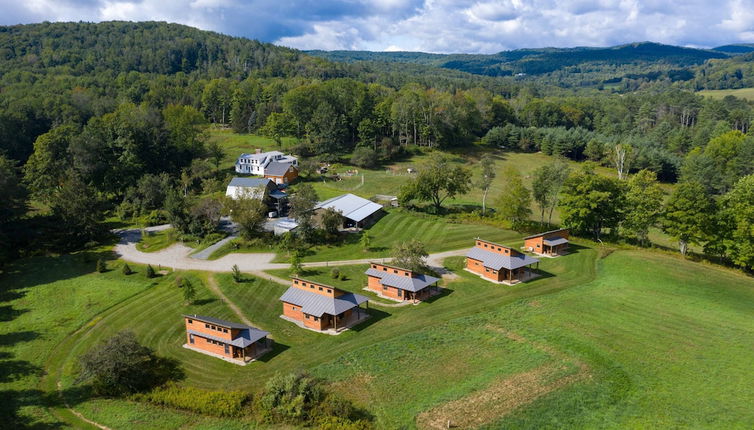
(646, 340)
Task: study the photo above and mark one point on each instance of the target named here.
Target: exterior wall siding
(201, 327)
(203, 344)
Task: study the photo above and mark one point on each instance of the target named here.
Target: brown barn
(550, 243)
(399, 284)
(321, 307)
(499, 263)
(224, 339)
(281, 173)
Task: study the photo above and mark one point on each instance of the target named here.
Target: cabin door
(227, 349)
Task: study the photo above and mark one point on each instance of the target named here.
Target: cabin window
(537, 245)
(329, 290)
(321, 289)
(225, 330)
(316, 319)
(400, 293)
(295, 282)
(311, 286)
(384, 269)
(190, 321)
(206, 325)
(384, 287)
(307, 316)
(374, 266)
(191, 338)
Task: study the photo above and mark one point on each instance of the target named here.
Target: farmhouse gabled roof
(318, 304)
(414, 284)
(249, 182)
(497, 261)
(352, 207)
(546, 232)
(277, 169)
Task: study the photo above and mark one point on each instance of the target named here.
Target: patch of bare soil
(503, 395)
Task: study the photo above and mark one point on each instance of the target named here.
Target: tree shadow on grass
(202, 302)
(12, 401)
(17, 337)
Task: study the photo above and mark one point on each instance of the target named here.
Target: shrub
(101, 266)
(150, 271)
(121, 365)
(237, 277)
(288, 398)
(335, 273)
(127, 269)
(343, 277)
(215, 403)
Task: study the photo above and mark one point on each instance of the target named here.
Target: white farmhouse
(258, 162)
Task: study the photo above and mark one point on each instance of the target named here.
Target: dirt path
(78, 414)
(212, 285)
(177, 257)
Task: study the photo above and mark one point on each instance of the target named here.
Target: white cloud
(429, 25)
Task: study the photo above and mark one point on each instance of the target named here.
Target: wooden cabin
(321, 307)
(550, 243)
(224, 339)
(399, 284)
(499, 263)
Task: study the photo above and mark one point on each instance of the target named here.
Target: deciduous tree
(688, 215)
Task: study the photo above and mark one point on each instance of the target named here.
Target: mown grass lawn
(157, 240)
(399, 225)
(155, 315)
(742, 93)
(235, 144)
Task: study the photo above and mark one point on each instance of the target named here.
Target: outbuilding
(399, 284)
(357, 211)
(230, 341)
(499, 263)
(550, 243)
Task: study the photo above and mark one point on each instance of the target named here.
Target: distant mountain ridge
(538, 61)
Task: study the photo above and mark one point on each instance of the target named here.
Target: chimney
(259, 150)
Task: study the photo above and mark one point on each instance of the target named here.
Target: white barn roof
(352, 207)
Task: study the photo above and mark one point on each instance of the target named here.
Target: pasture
(742, 93)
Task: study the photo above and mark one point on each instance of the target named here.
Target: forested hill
(148, 47)
(539, 61)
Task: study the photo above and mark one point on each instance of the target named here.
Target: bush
(127, 269)
(335, 273)
(343, 277)
(237, 277)
(150, 271)
(215, 403)
(288, 398)
(121, 365)
(101, 266)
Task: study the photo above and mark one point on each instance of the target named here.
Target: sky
(442, 26)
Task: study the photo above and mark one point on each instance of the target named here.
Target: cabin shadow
(376, 315)
(277, 349)
(444, 292)
(574, 249)
(542, 274)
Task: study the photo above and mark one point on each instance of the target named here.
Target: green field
(398, 225)
(742, 93)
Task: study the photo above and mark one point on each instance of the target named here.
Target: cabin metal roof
(555, 241)
(547, 232)
(352, 207)
(245, 337)
(318, 304)
(497, 261)
(218, 321)
(413, 284)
